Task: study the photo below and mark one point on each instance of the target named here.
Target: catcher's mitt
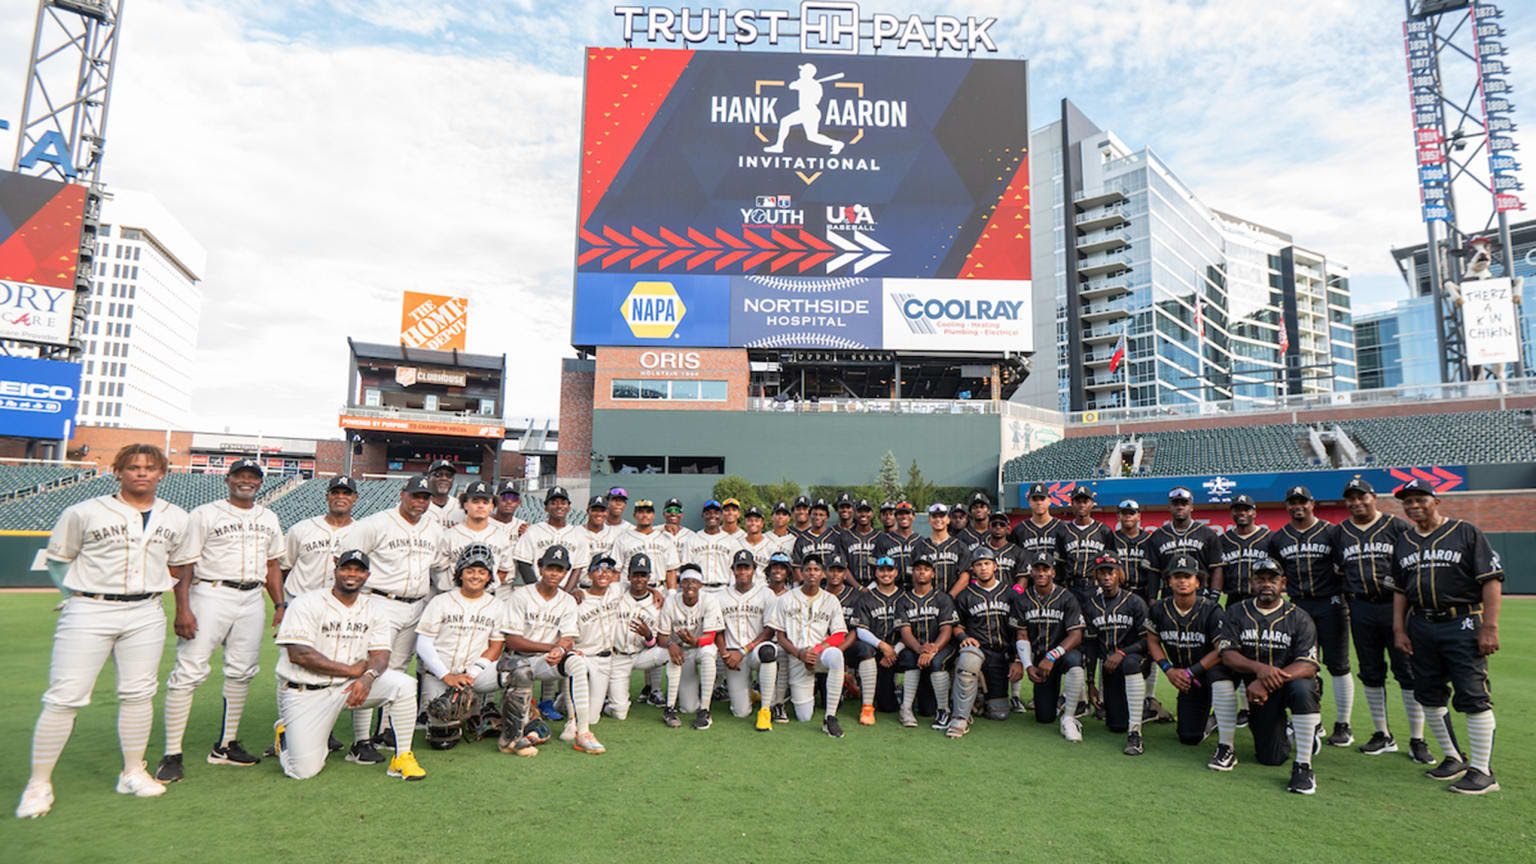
(454, 706)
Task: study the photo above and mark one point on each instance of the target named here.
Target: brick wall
(701, 364)
(577, 378)
(1490, 511)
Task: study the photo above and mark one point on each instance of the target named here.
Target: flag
(1199, 318)
(1119, 355)
(1285, 340)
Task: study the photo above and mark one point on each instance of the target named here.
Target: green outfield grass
(1012, 789)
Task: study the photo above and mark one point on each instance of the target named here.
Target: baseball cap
(980, 498)
(778, 558)
(442, 464)
(478, 489)
(997, 518)
(507, 487)
(690, 570)
(1130, 505)
(1184, 564)
(809, 557)
(862, 504)
(645, 504)
(922, 558)
(639, 563)
(843, 498)
(1266, 565)
(341, 481)
(1298, 493)
(904, 504)
(417, 486)
(956, 507)
(937, 509)
(245, 465)
(556, 555)
(1083, 492)
(672, 506)
(1242, 501)
(885, 561)
(836, 560)
(1180, 493)
(618, 492)
(604, 561)
(556, 492)
(1106, 560)
(886, 505)
(731, 502)
(743, 557)
(753, 511)
(983, 553)
(802, 501)
(1044, 559)
(1416, 487)
(711, 504)
(1038, 490)
(1359, 484)
(353, 556)
(597, 502)
(780, 507)
(820, 504)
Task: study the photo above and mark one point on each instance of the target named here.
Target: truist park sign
(821, 27)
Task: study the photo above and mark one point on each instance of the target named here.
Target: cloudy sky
(333, 153)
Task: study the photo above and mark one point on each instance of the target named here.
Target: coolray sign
(962, 315)
(38, 398)
(822, 28)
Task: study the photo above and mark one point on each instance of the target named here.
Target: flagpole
(1125, 338)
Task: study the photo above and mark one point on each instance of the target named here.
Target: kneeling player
(314, 688)
(597, 628)
(1271, 644)
(1048, 627)
(749, 644)
(984, 607)
(1182, 634)
(690, 623)
(458, 639)
(810, 627)
(926, 618)
(1116, 625)
(877, 622)
(634, 646)
(777, 575)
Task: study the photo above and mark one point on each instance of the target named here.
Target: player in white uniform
(777, 575)
(634, 645)
(458, 639)
(672, 523)
(712, 549)
(114, 553)
(762, 546)
(779, 535)
(598, 533)
(476, 527)
(730, 517)
(312, 546)
(690, 623)
(335, 655)
(749, 645)
(809, 623)
(645, 537)
(616, 500)
(540, 627)
(597, 625)
(507, 501)
(444, 507)
(237, 545)
(553, 530)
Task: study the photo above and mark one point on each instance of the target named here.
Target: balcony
(1101, 335)
(1103, 241)
(462, 424)
(1089, 200)
(877, 406)
(1102, 289)
(1101, 313)
(1102, 264)
(1100, 358)
(1112, 216)
(1100, 384)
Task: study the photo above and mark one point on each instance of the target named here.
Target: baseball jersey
(631, 609)
(542, 535)
(807, 621)
(713, 554)
(1279, 637)
(1186, 636)
(679, 537)
(1045, 620)
(1010, 560)
(1116, 623)
(233, 544)
(1238, 554)
(400, 555)
(970, 536)
(1136, 559)
(447, 513)
(597, 620)
(536, 618)
(1446, 567)
(924, 614)
(700, 618)
(600, 542)
(1077, 547)
(309, 554)
(859, 551)
(848, 598)
(1034, 538)
(1307, 555)
(761, 550)
(1197, 541)
(656, 543)
(112, 549)
(1364, 555)
(743, 613)
(880, 613)
(950, 559)
(513, 526)
(984, 614)
(898, 549)
(459, 535)
(342, 633)
(461, 629)
(783, 542)
(810, 543)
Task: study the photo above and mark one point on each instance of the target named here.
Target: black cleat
(1418, 750)
(334, 745)
(779, 713)
(645, 695)
(1099, 714)
(1449, 769)
(669, 717)
(1381, 742)
(364, 753)
(941, 720)
(1302, 781)
(1016, 705)
(1082, 710)
(1242, 718)
(830, 726)
(270, 752)
(658, 699)
(1132, 744)
(1224, 760)
(169, 769)
(231, 754)
(1342, 736)
(701, 720)
(1210, 726)
(385, 740)
(721, 694)
(1475, 782)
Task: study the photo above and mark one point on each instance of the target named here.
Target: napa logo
(653, 310)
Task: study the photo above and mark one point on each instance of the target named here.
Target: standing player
(597, 625)
(237, 544)
(507, 501)
(672, 523)
(712, 550)
(690, 624)
(115, 554)
(898, 544)
(1133, 548)
(810, 627)
(980, 522)
(458, 639)
(1181, 534)
(553, 531)
(780, 535)
(730, 517)
(1079, 545)
(859, 543)
(618, 499)
(887, 516)
(1115, 635)
(1446, 617)
(600, 535)
(475, 527)
(844, 507)
(445, 508)
(877, 618)
(801, 515)
(983, 608)
(1038, 533)
(657, 545)
(950, 556)
(1270, 644)
(312, 546)
(1183, 636)
(335, 655)
(927, 620)
(634, 646)
(749, 644)
(1048, 628)
(819, 538)
(1366, 541)
(753, 540)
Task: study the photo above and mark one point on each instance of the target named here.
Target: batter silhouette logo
(653, 310)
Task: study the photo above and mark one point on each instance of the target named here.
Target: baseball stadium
(876, 518)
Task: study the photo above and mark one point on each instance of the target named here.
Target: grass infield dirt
(1007, 790)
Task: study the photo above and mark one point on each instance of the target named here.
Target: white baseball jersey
(459, 535)
(597, 620)
(310, 552)
(342, 633)
(110, 548)
(600, 542)
(743, 613)
(632, 608)
(233, 544)
(806, 621)
(512, 526)
(461, 629)
(765, 546)
(448, 513)
(400, 555)
(656, 543)
(713, 553)
(698, 619)
(542, 536)
(622, 526)
(678, 538)
(537, 619)
(783, 543)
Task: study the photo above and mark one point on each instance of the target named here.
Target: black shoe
(231, 754)
(941, 720)
(1342, 736)
(1082, 710)
(385, 740)
(169, 770)
(701, 720)
(645, 695)
(1302, 781)
(658, 699)
(421, 722)
(830, 726)
(721, 694)
(1210, 726)
(1099, 714)
(364, 753)
(1475, 782)
(1418, 750)
(270, 752)
(1381, 742)
(1242, 718)
(1016, 705)
(1132, 744)
(1450, 769)
(669, 718)
(1224, 760)
(779, 713)
(333, 745)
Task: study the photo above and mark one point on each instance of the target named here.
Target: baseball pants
(619, 671)
(403, 617)
(518, 673)
(305, 718)
(1117, 699)
(433, 686)
(802, 682)
(227, 618)
(764, 660)
(1445, 657)
(690, 685)
(133, 634)
(937, 674)
(1370, 624)
(1267, 721)
(984, 668)
(1194, 707)
(1047, 692)
(1332, 619)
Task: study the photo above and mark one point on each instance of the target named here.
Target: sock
(781, 684)
(1015, 689)
(362, 723)
(909, 682)
(1343, 696)
(1415, 713)
(1439, 722)
(1306, 731)
(581, 689)
(1224, 700)
(1480, 740)
(940, 681)
(1135, 696)
(178, 704)
(834, 660)
(653, 678)
(867, 680)
(1150, 687)
(707, 670)
(134, 720)
(1072, 682)
(1242, 698)
(402, 716)
(48, 739)
(767, 681)
(1376, 698)
(234, 706)
(674, 680)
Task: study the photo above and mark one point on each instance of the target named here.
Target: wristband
(1119, 652)
(651, 642)
(371, 672)
(282, 605)
(1191, 672)
(1054, 654)
(1164, 664)
(480, 665)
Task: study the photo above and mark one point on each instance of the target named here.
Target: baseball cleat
(1083, 709)
(1016, 705)
(1475, 782)
(36, 800)
(720, 694)
(1342, 736)
(334, 745)
(830, 726)
(1210, 726)
(421, 722)
(1302, 780)
(779, 713)
(669, 717)
(941, 719)
(851, 689)
(1242, 718)
(137, 782)
(1072, 729)
(169, 769)
(549, 711)
(867, 715)
(586, 742)
(404, 766)
(1156, 712)
(1418, 751)
(520, 745)
(231, 754)
(764, 720)
(568, 734)
(957, 728)
(1380, 743)
(658, 698)
(270, 752)
(1225, 758)
(385, 740)
(364, 753)
(1132, 744)
(645, 694)
(702, 720)
(536, 731)
(1449, 769)
(907, 718)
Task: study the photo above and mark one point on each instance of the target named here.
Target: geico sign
(670, 360)
(34, 390)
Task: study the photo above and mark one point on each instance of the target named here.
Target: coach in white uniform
(312, 546)
(238, 545)
(444, 507)
(114, 555)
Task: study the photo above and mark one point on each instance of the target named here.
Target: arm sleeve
(426, 652)
(526, 574)
(868, 638)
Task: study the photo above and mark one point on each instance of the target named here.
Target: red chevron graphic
(692, 248)
(1441, 479)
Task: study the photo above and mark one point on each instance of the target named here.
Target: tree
(733, 486)
(785, 490)
(919, 491)
(889, 480)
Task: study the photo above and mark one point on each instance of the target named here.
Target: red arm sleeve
(833, 641)
(708, 638)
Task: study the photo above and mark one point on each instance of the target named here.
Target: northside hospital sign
(823, 28)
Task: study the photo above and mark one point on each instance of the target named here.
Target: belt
(1448, 613)
(118, 598)
(238, 586)
(292, 685)
(396, 597)
(603, 654)
(1372, 598)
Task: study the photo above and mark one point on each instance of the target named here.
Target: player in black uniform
(843, 504)
(1182, 534)
(1183, 630)
(840, 584)
(1305, 547)
(859, 543)
(1116, 636)
(1048, 628)
(959, 519)
(983, 607)
(1241, 545)
(951, 559)
(879, 623)
(927, 623)
(1365, 544)
(1037, 533)
(887, 516)
(897, 545)
(977, 526)
(1010, 558)
(1446, 615)
(820, 539)
(1270, 645)
(1133, 547)
(800, 515)
(1079, 544)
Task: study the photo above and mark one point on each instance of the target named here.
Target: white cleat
(568, 734)
(137, 782)
(36, 800)
(1072, 729)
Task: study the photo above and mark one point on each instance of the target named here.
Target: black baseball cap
(1184, 564)
(478, 489)
(922, 558)
(862, 504)
(644, 504)
(809, 557)
(1242, 501)
(507, 487)
(983, 553)
(1038, 490)
(1083, 492)
(743, 556)
(672, 504)
(1130, 505)
(886, 505)
(1042, 559)
(1298, 493)
(442, 464)
(980, 498)
(639, 563)
(353, 556)
(820, 504)
(1108, 559)
(1416, 487)
(843, 498)
(780, 507)
(711, 504)
(556, 492)
(597, 502)
(603, 561)
(341, 481)
(245, 465)
(1359, 484)
(1180, 493)
(836, 560)
(956, 507)
(998, 517)
(802, 501)
(753, 511)
(556, 555)
(417, 485)
(885, 561)
(1266, 565)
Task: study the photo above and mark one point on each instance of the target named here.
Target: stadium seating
(40, 510)
(26, 479)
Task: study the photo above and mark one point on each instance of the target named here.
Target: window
(85, 389)
(135, 273)
(637, 464)
(683, 390)
(695, 465)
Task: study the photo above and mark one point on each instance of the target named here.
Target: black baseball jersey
(859, 550)
(898, 549)
(1034, 538)
(1197, 541)
(950, 559)
(970, 536)
(1077, 547)
(1364, 555)
(880, 613)
(984, 615)
(849, 598)
(1047, 620)
(1307, 555)
(1186, 636)
(1238, 554)
(1445, 568)
(824, 544)
(925, 614)
(1278, 638)
(1136, 558)
(1115, 624)
(1010, 560)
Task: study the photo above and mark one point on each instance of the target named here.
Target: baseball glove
(454, 706)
